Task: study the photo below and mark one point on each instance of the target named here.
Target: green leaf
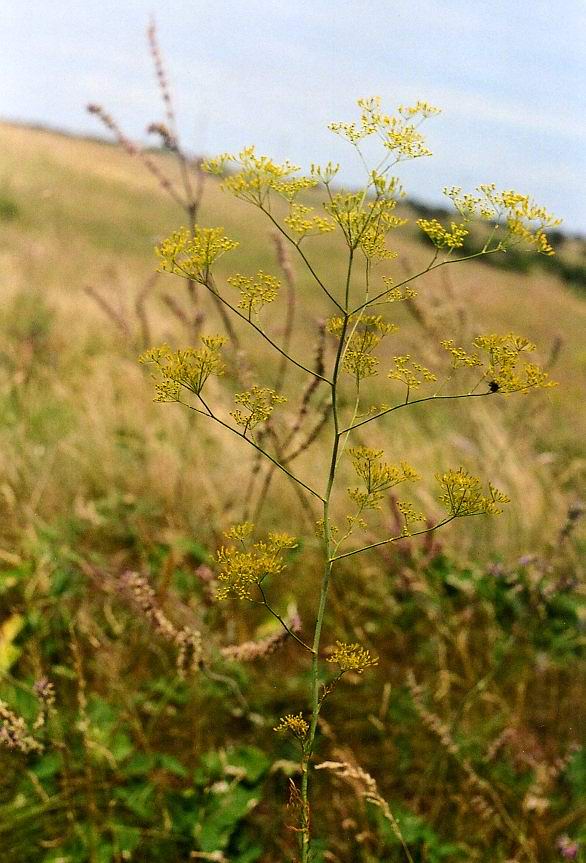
(251, 760)
(126, 838)
(222, 816)
(168, 762)
(138, 799)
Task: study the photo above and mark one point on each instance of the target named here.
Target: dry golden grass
(83, 428)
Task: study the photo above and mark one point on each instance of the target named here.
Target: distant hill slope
(76, 212)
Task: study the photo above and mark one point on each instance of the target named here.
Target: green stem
(432, 266)
(275, 614)
(261, 332)
(327, 571)
(394, 539)
(305, 259)
(410, 404)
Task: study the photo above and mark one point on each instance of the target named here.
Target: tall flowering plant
(357, 312)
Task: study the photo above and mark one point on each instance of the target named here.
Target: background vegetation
(471, 724)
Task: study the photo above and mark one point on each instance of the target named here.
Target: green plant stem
(262, 333)
(431, 266)
(395, 539)
(410, 404)
(305, 259)
(327, 571)
(275, 614)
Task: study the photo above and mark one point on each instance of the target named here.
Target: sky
(509, 75)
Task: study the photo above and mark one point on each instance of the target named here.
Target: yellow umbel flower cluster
(462, 494)
(524, 220)
(192, 253)
(259, 402)
(396, 295)
(460, 357)
(444, 238)
(503, 358)
(410, 515)
(398, 133)
(503, 368)
(378, 476)
(365, 225)
(188, 368)
(244, 566)
(294, 723)
(302, 223)
(366, 333)
(255, 177)
(255, 291)
(411, 373)
(326, 173)
(351, 657)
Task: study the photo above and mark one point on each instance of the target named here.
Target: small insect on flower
(494, 386)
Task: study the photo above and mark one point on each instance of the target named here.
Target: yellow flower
(302, 223)
(524, 220)
(188, 368)
(399, 132)
(295, 724)
(259, 402)
(192, 254)
(351, 657)
(452, 238)
(366, 333)
(462, 494)
(256, 291)
(411, 373)
(242, 566)
(378, 476)
(255, 177)
(503, 366)
(365, 225)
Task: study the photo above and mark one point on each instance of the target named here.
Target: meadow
(471, 722)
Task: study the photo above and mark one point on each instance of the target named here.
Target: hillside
(114, 508)
(79, 213)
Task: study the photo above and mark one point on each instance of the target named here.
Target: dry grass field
(96, 478)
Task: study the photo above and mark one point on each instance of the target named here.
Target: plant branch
(394, 539)
(416, 402)
(259, 449)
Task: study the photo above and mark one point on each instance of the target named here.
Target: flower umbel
(188, 368)
(410, 372)
(255, 177)
(192, 253)
(398, 132)
(301, 222)
(255, 291)
(366, 334)
(351, 657)
(295, 724)
(259, 402)
(444, 238)
(502, 364)
(462, 494)
(377, 475)
(243, 566)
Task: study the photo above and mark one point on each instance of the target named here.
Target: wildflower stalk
(327, 571)
(364, 219)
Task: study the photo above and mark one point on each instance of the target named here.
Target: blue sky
(510, 76)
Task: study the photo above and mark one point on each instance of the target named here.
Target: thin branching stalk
(364, 220)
